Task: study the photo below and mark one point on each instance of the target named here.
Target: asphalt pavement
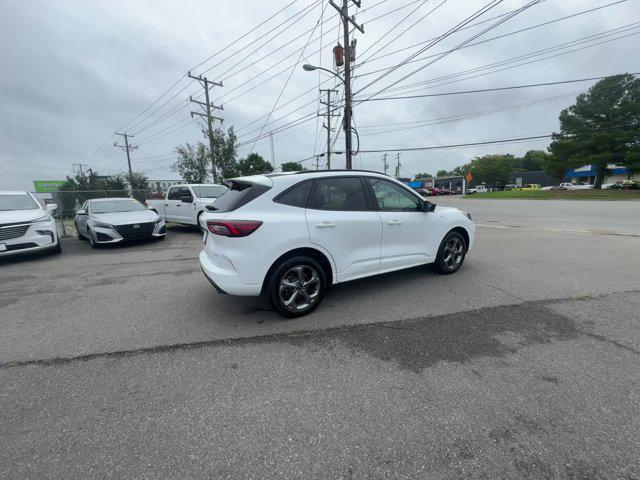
(124, 363)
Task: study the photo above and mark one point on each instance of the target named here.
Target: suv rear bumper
(226, 280)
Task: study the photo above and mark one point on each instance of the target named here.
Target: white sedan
(26, 226)
(114, 220)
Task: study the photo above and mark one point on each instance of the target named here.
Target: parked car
(446, 191)
(529, 187)
(510, 186)
(478, 189)
(547, 188)
(291, 236)
(627, 185)
(566, 186)
(583, 186)
(185, 203)
(114, 220)
(425, 192)
(25, 225)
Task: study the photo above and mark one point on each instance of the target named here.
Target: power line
(290, 75)
(497, 89)
(481, 42)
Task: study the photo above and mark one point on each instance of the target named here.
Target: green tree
(602, 127)
(442, 173)
(533, 161)
(419, 176)
(254, 164)
(291, 167)
(461, 170)
(193, 162)
(139, 185)
(225, 150)
(492, 169)
(89, 184)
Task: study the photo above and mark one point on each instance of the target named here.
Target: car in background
(583, 186)
(113, 220)
(529, 187)
(510, 186)
(627, 185)
(185, 203)
(424, 192)
(291, 236)
(478, 189)
(566, 186)
(25, 225)
(446, 191)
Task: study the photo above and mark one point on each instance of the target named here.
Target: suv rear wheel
(451, 253)
(297, 286)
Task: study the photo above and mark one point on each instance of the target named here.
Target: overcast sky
(75, 71)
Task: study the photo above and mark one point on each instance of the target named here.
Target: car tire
(57, 249)
(451, 253)
(91, 241)
(297, 286)
(78, 234)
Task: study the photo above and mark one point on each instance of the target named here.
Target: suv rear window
(297, 195)
(240, 193)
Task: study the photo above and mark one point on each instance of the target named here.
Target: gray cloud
(75, 71)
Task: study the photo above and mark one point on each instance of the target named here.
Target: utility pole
(328, 124)
(398, 165)
(273, 154)
(207, 106)
(348, 58)
(127, 148)
(80, 165)
(384, 162)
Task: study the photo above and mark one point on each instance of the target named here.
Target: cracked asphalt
(124, 363)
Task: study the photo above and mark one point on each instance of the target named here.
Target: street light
(307, 67)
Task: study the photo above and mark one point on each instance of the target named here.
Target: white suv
(291, 236)
(26, 226)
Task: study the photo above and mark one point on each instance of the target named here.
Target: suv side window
(174, 193)
(339, 193)
(392, 197)
(185, 192)
(297, 195)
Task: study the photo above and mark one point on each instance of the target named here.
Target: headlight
(44, 218)
(102, 225)
(468, 215)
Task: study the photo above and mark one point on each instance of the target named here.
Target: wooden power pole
(127, 148)
(208, 106)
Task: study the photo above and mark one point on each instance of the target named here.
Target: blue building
(587, 174)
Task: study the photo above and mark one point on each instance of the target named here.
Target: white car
(114, 220)
(567, 186)
(291, 236)
(25, 225)
(185, 203)
(478, 189)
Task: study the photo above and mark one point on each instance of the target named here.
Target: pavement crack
(507, 292)
(603, 339)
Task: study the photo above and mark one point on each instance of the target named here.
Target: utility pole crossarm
(204, 115)
(215, 107)
(345, 15)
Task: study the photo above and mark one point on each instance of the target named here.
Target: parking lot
(525, 364)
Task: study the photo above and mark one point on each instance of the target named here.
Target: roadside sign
(469, 177)
(47, 186)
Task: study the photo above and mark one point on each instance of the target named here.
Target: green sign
(47, 186)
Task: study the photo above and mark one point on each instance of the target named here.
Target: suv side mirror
(428, 206)
(81, 212)
(50, 207)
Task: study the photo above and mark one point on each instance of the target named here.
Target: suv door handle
(325, 225)
(394, 222)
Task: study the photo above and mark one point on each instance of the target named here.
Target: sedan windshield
(114, 206)
(21, 201)
(208, 191)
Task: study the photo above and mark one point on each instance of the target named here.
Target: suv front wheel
(297, 286)
(451, 253)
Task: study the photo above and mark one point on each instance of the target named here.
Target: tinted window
(392, 197)
(185, 192)
(20, 201)
(297, 195)
(208, 191)
(339, 193)
(240, 193)
(174, 194)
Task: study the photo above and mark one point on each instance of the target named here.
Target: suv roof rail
(340, 170)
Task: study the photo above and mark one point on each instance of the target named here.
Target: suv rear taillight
(233, 228)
